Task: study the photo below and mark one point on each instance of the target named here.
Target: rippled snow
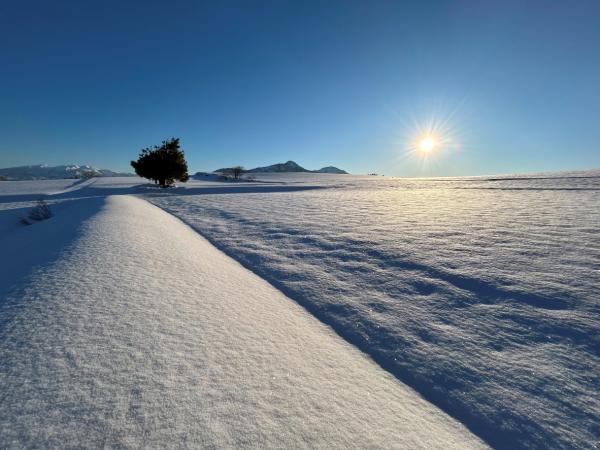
(482, 293)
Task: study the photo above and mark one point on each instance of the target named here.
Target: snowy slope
(45, 172)
(133, 331)
(482, 293)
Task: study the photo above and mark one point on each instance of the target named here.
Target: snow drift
(481, 293)
(133, 331)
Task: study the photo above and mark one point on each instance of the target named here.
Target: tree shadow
(91, 190)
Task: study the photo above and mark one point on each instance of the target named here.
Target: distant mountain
(289, 166)
(44, 172)
(331, 169)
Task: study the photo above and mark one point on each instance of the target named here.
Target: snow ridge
(139, 333)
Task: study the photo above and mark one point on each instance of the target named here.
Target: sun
(426, 144)
(430, 141)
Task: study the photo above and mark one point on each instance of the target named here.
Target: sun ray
(430, 138)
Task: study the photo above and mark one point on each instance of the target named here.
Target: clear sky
(513, 86)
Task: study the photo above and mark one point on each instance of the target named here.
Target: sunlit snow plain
(480, 293)
(130, 330)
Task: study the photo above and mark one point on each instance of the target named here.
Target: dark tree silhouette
(237, 171)
(163, 164)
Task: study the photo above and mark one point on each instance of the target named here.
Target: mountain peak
(331, 169)
(288, 166)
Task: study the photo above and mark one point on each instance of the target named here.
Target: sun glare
(426, 144)
(430, 140)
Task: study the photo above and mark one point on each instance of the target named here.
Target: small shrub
(41, 211)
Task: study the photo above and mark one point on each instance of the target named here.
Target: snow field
(482, 294)
(139, 333)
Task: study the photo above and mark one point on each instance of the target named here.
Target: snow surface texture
(133, 331)
(483, 293)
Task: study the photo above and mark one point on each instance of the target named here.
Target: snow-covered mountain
(289, 166)
(45, 172)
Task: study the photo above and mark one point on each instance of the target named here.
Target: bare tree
(237, 172)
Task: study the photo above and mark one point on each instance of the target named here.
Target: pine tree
(163, 164)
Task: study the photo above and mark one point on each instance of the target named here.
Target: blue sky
(515, 85)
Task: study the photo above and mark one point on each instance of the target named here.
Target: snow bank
(481, 293)
(139, 333)
(39, 187)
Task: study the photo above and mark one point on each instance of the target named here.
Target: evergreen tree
(163, 164)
